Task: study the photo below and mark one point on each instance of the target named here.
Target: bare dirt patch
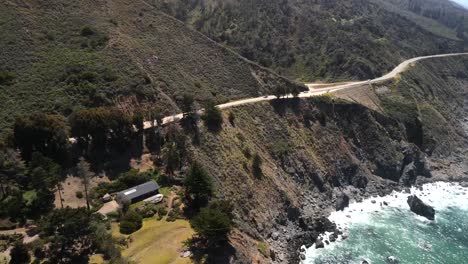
(70, 187)
(364, 95)
(144, 164)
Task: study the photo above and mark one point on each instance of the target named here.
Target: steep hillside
(443, 18)
(317, 40)
(313, 150)
(57, 56)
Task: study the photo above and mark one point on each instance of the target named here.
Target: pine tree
(19, 254)
(198, 184)
(257, 166)
(212, 116)
(84, 172)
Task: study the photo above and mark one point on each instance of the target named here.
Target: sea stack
(420, 208)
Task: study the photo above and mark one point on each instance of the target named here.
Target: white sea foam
(440, 195)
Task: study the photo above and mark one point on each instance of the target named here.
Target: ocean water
(377, 232)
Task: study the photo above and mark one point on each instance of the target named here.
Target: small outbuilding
(138, 193)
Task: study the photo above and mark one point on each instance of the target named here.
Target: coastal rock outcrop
(342, 202)
(420, 208)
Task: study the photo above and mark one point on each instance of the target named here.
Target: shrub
(79, 195)
(212, 116)
(213, 223)
(130, 222)
(231, 118)
(162, 211)
(113, 215)
(257, 166)
(246, 152)
(174, 214)
(263, 248)
(6, 77)
(87, 31)
(19, 254)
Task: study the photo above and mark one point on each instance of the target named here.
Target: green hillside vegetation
(59, 56)
(429, 100)
(319, 40)
(443, 18)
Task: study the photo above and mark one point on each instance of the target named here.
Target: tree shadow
(280, 106)
(221, 253)
(113, 159)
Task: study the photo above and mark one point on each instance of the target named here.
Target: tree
(44, 172)
(198, 185)
(295, 91)
(257, 166)
(47, 134)
(19, 254)
(212, 116)
(130, 222)
(172, 157)
(214, 222)
(84, 172)
(12, 168)
(71, 233)
(175, 151)
(187, 106)
(279, 92)
(102, 126)
(138, 121)
(231, 118)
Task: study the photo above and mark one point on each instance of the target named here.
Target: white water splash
(440, 195)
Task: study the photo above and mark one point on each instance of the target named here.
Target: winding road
(312, 90)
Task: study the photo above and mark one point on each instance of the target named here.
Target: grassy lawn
(166, 191)
(157, 242)
(96, 259)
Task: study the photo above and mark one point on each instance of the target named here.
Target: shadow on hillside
(112, 160)
(281, 106)
(220, 254)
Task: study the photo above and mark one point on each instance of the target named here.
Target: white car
(155, 199)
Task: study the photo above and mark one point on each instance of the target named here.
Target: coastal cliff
(412, 130)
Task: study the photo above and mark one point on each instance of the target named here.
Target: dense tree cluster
(321, 39)
(19, 254)
(71, 234)
(27, 191)
(130, 222)
(212, 220)
(74, 234)
(102, 126)
(47, 134)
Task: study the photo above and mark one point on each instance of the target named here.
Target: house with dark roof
(138, 193)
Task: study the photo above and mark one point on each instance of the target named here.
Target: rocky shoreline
(308, 228)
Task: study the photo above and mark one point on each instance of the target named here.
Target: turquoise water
(376, 232)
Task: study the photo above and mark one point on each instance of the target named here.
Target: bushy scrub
(130, 222)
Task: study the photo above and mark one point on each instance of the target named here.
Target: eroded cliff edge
(361, 142)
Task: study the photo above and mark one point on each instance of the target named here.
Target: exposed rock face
(414, 165)
(420, 208)
(319, 243)
(315, 149)
(342, 202)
